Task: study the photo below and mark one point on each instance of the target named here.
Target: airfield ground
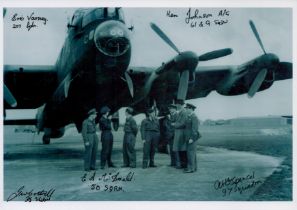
(258, 158)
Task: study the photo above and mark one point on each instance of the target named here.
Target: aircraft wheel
(46, 139)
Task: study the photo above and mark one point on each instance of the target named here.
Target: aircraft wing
(30, 86)
(227, 80)
(209, 78)
(205, 80)
(164, 88)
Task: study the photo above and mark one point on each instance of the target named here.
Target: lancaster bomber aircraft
(93, 70)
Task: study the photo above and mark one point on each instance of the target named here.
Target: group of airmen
(180, 132)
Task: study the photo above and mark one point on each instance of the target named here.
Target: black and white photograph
(147, 104)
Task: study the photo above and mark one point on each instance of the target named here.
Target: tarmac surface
(33, 171)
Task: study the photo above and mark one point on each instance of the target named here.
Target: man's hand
(143, 141)
(191, 141)
(87, 144)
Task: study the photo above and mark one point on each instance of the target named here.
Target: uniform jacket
(149, 125)
(191, 127)
(180, 119)
(104, 124)
(105, 127)
(168, 127)
(180, 142)
(131, 126)
(88, 127)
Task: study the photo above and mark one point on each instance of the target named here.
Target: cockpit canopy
(83, 17)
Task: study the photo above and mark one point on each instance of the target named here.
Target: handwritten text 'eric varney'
(32, 20)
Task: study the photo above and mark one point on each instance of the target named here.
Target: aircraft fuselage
(90, 69)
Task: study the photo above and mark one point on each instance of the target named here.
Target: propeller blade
(257, 83)
(67, 82)
(284, 71)
(183, 85)
(155, 108)
(215, 54)
(192, 78)
(130, 84)
(115, 119)
(257, 35)
(164, 37)
(9, 98)
(40, 119)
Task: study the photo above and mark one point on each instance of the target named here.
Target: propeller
(130, 84)
(253, 27)
(164, 37)
(257, 83)
(40, 119)
(282, 70)
(9, 98)
(262, 74)
(192, 58)
(215, 54)
(67, 82)
(183, 85)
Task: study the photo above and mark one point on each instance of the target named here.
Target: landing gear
(46, 139)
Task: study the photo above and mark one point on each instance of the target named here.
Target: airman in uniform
(90, 140)
(169, 134)
(150, 134)
(192, 135)
(130, 129)
(106, 138)
(179, 141)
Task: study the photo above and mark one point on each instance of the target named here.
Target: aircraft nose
(112, 38)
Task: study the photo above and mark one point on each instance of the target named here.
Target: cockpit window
(121, 15)
(92, 15)
(111, 12)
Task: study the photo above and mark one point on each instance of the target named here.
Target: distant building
(216, 122)
(261, 121)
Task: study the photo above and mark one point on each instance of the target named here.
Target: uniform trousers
(192, 156)
(174, 157)
(183, 158)
(149, 147)
(107, 144)
(129, 154)
(91, 151)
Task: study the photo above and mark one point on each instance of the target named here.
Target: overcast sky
(41, 45)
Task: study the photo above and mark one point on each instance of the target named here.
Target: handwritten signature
(32, 21)
(42, 195)
(196, 18)
(236, 184)
(108, 182)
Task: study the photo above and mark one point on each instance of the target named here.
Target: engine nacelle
(237, 84)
